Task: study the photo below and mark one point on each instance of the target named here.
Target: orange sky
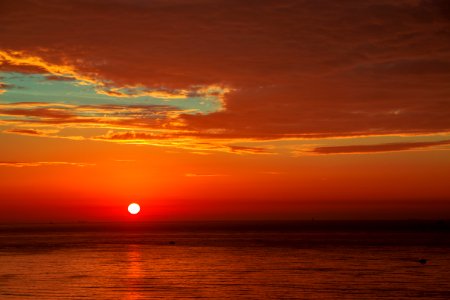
(224, 110)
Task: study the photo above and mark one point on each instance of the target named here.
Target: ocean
(226, 260)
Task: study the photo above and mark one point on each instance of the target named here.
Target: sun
(134, 208)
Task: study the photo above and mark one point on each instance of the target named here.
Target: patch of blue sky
(37, 88)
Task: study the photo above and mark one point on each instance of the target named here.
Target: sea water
(225, 260)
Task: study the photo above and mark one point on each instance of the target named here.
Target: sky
(224, 109)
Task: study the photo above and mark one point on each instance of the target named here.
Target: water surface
(271, 260)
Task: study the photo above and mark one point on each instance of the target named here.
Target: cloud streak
(112, 116)
(25, 131)
(203, 175)
(377, 148)
(21, 164)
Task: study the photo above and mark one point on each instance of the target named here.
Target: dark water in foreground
(302, 260)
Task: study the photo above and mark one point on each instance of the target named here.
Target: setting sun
(134, 208)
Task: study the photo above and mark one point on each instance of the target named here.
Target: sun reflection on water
(134, 272)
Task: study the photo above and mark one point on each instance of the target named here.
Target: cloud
(17, 164)
(48, 113)
(4, 87)
(59, 78)
(184, 140)
(133, 136)
(20, 62)
(25, 131)
(249, 150)
(291, 69)
(105, 116)
(389, 147)
(203, 175)
(272, 173)
(7, 66)
(132, 92)
(132, 124)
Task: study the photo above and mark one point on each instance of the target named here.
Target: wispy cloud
(132, 92)
(203, 175)
(22, 164)
(134, 136)
(4, 87)
(59, 78)
(19, 60)
(180, 139)
(250, 150)
(388, 147)
(25, 131)
(272, 173)
(105, 116)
